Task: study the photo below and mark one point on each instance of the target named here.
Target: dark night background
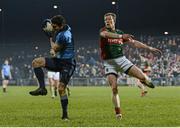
(20, 20)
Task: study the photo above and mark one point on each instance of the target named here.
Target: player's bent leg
(37, 64)
(63, 100)
(136, 72)
(112, 79)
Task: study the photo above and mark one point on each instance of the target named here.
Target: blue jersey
(6, 70)
(64, 37)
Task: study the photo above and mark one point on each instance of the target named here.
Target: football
(47, 27)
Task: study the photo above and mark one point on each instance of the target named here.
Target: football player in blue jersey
(62, 50)
(6, 74)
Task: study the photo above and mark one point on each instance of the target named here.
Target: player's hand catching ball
(47, 27)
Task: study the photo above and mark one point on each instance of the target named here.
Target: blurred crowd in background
(89, 64)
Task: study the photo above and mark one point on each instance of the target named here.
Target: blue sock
(64, 105)
(40, 76)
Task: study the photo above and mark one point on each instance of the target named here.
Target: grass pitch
(91, 106)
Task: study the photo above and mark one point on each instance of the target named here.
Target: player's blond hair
(111, 14)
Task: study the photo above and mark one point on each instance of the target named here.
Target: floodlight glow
(0, 10)
(36, 47)
(113, 3)
(55, 6)
(166, 33)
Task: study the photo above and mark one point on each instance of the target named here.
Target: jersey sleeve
(102, 29)
(119, 31)
(64, 38)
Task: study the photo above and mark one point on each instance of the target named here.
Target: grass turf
(91, 106)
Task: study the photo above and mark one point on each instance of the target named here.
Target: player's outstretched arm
(107, 34)
(139, 44)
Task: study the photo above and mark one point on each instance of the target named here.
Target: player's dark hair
(111, 14)
(59, 20)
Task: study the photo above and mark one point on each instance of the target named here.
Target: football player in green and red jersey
(111, 45)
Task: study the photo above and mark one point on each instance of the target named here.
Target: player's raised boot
(148, 83)
(39, 91)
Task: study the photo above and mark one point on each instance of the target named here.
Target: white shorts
(53, 75)
(121, 64)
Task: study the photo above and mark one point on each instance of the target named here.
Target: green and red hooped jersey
(111, 48)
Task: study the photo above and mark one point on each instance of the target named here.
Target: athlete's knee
(61, 89)
(115, 90)
(38, 62)
(112, 82)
